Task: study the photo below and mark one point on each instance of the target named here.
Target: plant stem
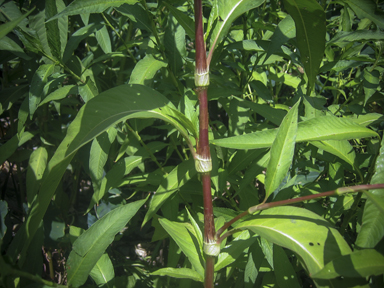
(264, 206)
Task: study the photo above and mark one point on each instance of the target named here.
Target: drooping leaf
(103, 271)
(90, 246)
(7, 44)
(95, 117)
(181, 273)
(229, 10)
(367, 9)
(231, 252)
(39, 80)
(145, 70)
(372, 228)
(301, 231)
(78, 7)
(8, 27)
(183, 19)
(170, 184)
(315, 129)
(309, 18)
(77, 37)
(184, 236)
(104, 40)
(284, 272)
(282, 150)
(37, 164)
(57, 29)
(114, 177)
(361, 263)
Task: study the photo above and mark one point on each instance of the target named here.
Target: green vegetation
(142, 148)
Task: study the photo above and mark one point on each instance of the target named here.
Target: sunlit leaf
(181, 273)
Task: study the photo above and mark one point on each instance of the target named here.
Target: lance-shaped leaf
(39, 80)
(372, 229)
(57, 30)
(184, 236)
(103, 271)
(301, 231)
(367, 9)
(90, 246)
(95, 117)
(8, 27)
(78, 7)
(170, 184)
(145, 70)
(181, 273)
(183, 19)
(229, 10)
(284, 272)
(282, 150)
(36, 167)
(362, 263)
(314, 129)
(309, 18)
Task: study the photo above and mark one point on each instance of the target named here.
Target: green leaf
(301, 231)
(95, 117)
(180, 273)
(363, 263)
(284, 31)
(370, 83)
(7, 44)
(37, 164)
(310, 23)
(59, 94)
(284, 272)
(39, 80)
(145, 70)
(342, 149)
(88, 90)
(367, 9)
(90, 246)
(343, 38)
(77, 37)
(170, 184)
(11, 95)
(114, 177)
(57, 29)
(314, 129)
(229, 10)
(3, 214)
(182, 233)
(282, 150)
(372, 229)
(230, 253)
(174, 44)
(8, 27)
(78, 7)
(137, 14)
(103, 40)
(183, 19)
(103, 271)
(378, 201)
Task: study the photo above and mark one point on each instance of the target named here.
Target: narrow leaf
(183, 237)
(372, 228)
(367, 9)
(310, 23)
(282, 150)
(183, 19)
(314, 129)
(181, 273)
(145, 70)
(172, 183)
(301, 231)
(284, 272)
(103, 40)
(229, 10)
(363, 263)
(90, 246)
(39, 80)
(37, 164)
(57, 29)
(90, 6)
(8, 27)
(103, 271)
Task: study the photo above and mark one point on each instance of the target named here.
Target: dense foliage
(99, 124)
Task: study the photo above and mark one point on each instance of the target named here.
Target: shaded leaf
(309, 18)
(367, 9)
(90, 246)
(90, 6)
(37, 164)
(183, 19)
(181, 273)
(361, 263)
